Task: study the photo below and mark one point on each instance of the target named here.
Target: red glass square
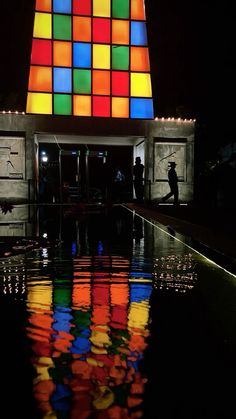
(82, 7)
(101, 106)
(120, 83)
(101, 30)
(41, 52)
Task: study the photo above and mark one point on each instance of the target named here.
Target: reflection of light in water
(175, 272)
(12, 273)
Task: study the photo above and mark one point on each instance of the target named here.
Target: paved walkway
(212, 232)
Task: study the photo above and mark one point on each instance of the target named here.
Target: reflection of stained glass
(98, 35)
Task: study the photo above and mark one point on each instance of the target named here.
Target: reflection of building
(88, 335)
(89, 84)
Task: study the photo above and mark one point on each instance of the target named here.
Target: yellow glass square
(62, 53)
(120, 107)
(102, 8)
(101, 56)
(40, 79)
(82, 105)
(139, 60)
(120, 32)
(140, 85)
(39, 103)
(42, 25)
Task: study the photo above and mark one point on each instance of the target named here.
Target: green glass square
(62, 105)
(120, 9)
(62, 27)
(82, 81)
(120, 57)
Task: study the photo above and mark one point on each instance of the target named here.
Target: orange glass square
(120, 107)
(101, 82)
(62, 53)
(120, 32)
(82, 105)
(137, 10)
(139, 60)
(40, 79)
(81, 28)
(43, 5)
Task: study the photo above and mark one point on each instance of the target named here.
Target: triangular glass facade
(90, 58)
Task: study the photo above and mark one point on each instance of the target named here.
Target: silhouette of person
(138, 170)
(173, 183)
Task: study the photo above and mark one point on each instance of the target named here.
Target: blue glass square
(62, 81)
(138, 33)
(62, 6)
(81, 55)
(141, 108)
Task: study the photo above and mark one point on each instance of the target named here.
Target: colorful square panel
(62, 80)
(102, 8)
(41, 52)
(120, 57)
(81, 28)
(82, 7)
(101, 56)
(42, 25)
(40, 79)
(120, 9)
(120, 83)
(141, 108)
(120, 107)
(101, 82)
(62, 27)
(139, 60)
(43, 5)
(120, 32)
(62, 6)
(101, 106)
(62, 54)
(81, 55)
(62, 104)
(39, 103)
(138, 33)
(140, 85)
(82, 81)
(137, 8)
(82, 105)
(101, 30)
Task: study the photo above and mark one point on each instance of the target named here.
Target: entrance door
(69, 166)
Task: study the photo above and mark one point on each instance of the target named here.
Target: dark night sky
(191, 52)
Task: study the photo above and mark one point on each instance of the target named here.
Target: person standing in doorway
(138, 170)
(173, 183)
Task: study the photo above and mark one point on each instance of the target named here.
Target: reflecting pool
(111, 316)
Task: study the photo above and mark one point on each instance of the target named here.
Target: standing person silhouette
(173, 182)
(138, 170)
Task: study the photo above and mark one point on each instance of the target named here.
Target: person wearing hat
(173, 182)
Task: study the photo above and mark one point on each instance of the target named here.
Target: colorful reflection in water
(88, 332)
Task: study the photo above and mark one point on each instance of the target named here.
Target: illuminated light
(138, 35)
(62, 27)
(101, 106)
(120, 83)
(62, 52)
(120, 57)
(120, 32)
(40, 79)
(102, 8)
(101, 82)
(120, 107)
(62, 80)
(3, 111)
(137, 10)
(82, 105)
(81, 28)
(62, 6)
(141, 85)
(101, 56)
(40, 103)
(141, 108)
(62, 104)
(139, 60)
(82, 81)
(16, 112)
(42, 25)
(43, 5)
(120, 9)
(101, 30)
(41, 52)
(81, 55)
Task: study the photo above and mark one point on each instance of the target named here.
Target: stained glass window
(90, 58)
